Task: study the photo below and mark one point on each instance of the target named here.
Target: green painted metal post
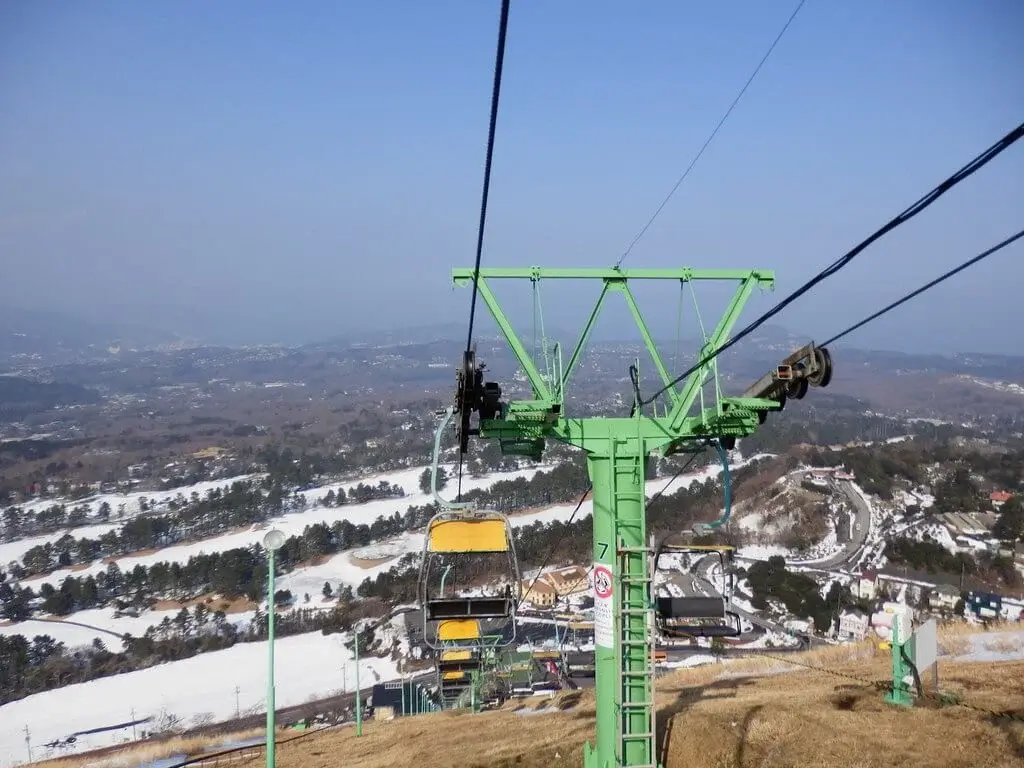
(624, 718)
(271, 739)
(403, 695)
(359, 697)
(900, 694)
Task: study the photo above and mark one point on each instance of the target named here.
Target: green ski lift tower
(617, 449)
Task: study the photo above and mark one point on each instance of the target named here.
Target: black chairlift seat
(451, 690)
(442, 608)
(696, 617)
(458, 665)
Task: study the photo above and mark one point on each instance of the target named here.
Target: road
(698, 583)
(861, 528)
(702, 569)
(853, 548)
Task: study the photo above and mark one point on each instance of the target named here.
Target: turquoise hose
(726, 484)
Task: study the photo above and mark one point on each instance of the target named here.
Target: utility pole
(359, 703)
(617, 450)
(273, 541)
(238, 708)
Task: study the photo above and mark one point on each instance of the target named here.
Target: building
(395, 697)
(867, 585)
(539, 593)
(568, 581)
(853, 625)
(945, 596)
(555, 584)
(998, 498)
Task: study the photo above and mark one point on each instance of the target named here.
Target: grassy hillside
(750, 713)
(763, 713)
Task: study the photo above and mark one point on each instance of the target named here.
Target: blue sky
(291, 171)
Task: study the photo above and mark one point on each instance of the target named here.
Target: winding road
(859, 535)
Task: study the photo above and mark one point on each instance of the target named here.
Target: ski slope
(307, 666)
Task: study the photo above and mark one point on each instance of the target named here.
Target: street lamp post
(359, 702)
(271, 542)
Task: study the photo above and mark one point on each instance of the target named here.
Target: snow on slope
(293, 523)
(309, 665)
(131, 500)
(763, 552)
(992, 646)
(15, 550)
(73, 635)
(339, 569)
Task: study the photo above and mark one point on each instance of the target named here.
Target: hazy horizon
(246, 174)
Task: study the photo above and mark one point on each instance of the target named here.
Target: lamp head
(274, 539)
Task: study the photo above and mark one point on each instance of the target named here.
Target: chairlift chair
(460, 616)
(697, 615)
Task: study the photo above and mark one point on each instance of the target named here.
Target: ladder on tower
(636, 722)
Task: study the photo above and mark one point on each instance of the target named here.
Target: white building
(867, 585)
(853, 625)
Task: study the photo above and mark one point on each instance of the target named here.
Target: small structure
(945, 596)
(867, 585)
(853, 625)
(998, 498)
(568, 581)
(554, 584)
(539, 593)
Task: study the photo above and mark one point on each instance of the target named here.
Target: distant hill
(20, 397)
(50, 336)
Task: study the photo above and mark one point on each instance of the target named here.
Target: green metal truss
(617, 449)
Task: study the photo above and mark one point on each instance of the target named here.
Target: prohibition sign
(602, 582)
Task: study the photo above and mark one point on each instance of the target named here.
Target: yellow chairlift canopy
(467, 536)
(458, 629)
(456, 655)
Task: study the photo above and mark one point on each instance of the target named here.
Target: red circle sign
(602, 582)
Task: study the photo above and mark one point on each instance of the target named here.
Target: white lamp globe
(274, 539)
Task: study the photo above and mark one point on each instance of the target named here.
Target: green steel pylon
(900, 694)
(617, 450)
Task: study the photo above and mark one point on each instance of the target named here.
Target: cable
(714, 133)
(547, 557)
(887, 686)
(499, 62)
(927, 286)
(974, 165)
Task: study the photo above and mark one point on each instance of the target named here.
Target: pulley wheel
(797, 389)
(465, 379)
(823, 362)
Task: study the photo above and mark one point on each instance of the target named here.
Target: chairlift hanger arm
(532, 421)
(463, 275)
(694, 382)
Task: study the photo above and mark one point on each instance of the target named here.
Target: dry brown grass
(366, 564)
(146, 751)
(212, 601)
(755, 712)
